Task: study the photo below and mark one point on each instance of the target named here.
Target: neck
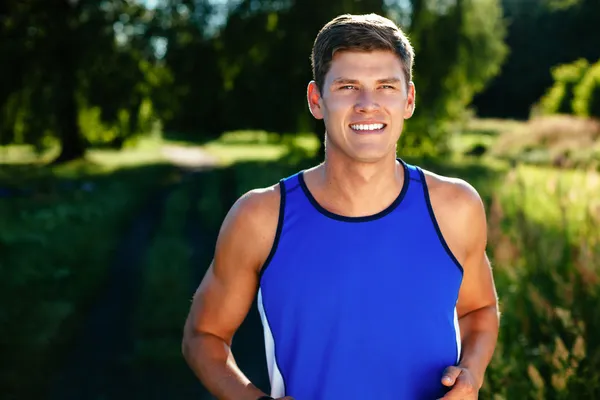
(361, 187)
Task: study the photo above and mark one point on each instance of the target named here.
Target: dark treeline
(541, 34)
(92, 73)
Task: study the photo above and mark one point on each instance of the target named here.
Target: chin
(370, 156)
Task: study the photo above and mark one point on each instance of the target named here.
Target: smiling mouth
(368, 128)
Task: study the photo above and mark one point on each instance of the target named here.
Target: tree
(541, 35)
(459, 48)
(559, 98)
(60, 48)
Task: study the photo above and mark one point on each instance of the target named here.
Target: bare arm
(477, 302)
(225, 295)
(477, 306)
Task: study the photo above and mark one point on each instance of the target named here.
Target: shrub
(587, 94)
(559, 98)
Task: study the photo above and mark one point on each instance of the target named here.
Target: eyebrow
(347, 81)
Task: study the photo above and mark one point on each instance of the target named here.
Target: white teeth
(366, 127)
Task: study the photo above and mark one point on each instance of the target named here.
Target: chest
(361, 267)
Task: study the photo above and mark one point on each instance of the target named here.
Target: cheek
(393, 103)
(339, 107)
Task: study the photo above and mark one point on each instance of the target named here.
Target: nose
(366, 102)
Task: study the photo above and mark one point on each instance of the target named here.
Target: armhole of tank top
(282, 194)
(435, 222)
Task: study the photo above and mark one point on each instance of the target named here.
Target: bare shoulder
(459, 194)
(252, 208)
(248, 230)
(229, 285)
(459, 213)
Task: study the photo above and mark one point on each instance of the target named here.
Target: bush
(58, 238)
(552, 140)
(587, 94)
(548, 281)
(559, 98)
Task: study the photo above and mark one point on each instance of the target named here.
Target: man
(371, 274)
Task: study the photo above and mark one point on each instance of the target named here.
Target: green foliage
(165, 289)
(56, 244)
(587, 94)
(541, 35)
(545, 247)
(458, 49)
(559, 98)
(72, 57)
(558, 140)
(209, 78)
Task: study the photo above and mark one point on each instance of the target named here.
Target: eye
(388, 87)
(348, 87)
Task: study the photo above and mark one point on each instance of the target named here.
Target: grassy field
(60, 227)
(543, 242)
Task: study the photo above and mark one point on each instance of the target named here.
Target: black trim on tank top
(365, 218)
(277, 232)
(435, 223)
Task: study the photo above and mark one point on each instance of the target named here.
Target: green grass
(165, 290)
(551, 197)
(57, 242)
(142, 151)
(543, 242)
(481, 132)
(241, 146)
(545, 246)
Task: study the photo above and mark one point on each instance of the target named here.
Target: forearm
(479, 337)
(213, 363)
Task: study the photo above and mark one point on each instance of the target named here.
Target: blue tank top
(359, 307)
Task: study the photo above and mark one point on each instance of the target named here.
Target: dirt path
(248, 345)
(189, 158)
(95, 369)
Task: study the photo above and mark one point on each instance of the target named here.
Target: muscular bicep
(229, 286)
(477, 289)
(222, 300)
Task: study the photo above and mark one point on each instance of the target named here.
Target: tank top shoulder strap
(414, 173)
(290, 183)
(292, 194)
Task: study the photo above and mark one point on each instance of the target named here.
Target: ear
(314, 100)
(409, 109)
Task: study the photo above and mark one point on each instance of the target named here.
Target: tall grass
(548, 279)
(165, 288)
(60, 227)
(558, 140)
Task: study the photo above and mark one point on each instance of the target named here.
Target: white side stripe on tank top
(277, 384)
(457, 331)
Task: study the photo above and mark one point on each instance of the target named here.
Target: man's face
(363, 103)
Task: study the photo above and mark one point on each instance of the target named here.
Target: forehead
(362, 65)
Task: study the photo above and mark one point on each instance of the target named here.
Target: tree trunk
(65, 62)
(71, 142)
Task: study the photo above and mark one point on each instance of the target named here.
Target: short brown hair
(367, 32)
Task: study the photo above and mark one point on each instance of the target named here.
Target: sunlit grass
(545, 248)
(552, 197)
(240, 146)
(25, 154)
(492, 126)
(143, 151)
